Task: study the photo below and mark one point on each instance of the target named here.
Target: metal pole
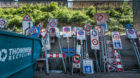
(81, 56)
(97, 63)
(68, 49)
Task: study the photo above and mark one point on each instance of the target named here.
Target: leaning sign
(52, 23)
(26, 24)
(88, 66)
(81, 35)
(116, 40)
(131, 33)
(94, 39)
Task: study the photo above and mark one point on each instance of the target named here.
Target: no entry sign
(52, 23)
(131, 33)
(94, 39)
(81, 35)
(27, 24)
(67, 31)
(116, 40)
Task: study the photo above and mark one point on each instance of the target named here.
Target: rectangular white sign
(117, 44)
(81, 35)
(67, 31)
(88, 66)
(26, 26)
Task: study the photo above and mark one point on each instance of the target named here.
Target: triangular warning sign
(40, 25)
(43, 34)
(27, 18)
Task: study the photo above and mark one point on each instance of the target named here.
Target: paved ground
(96, 75)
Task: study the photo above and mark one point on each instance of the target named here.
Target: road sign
(131, 33)
(52, 31)
(99, 30)
(26, 24)
(116, 40)
(76, 58)
(81, 35)
(52, 23)
(76, 65)
(67, 31)
(70, 50)
(105, 27)
(34, 31)
(101, 18)
(94, 39)
(138, 35)
(40, 25)
(128, 26)
(3, 23)
(57, 32)
(43, 33)
(88, 27)
(88, 66)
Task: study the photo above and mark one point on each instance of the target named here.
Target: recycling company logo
(3, 55)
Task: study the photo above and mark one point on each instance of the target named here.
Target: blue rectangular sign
(71, 51)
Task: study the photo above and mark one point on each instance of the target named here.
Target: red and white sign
(52, 23)
(52, 55)
(118, 61)
(131, 33)
(101, 18)
(117, 44)
(67, 31)
(3, 23)
(43, 34)
(27, 24)
(76, 58)
(81, 35)
(52, 31)
(94, 39)
(40, 25)
(88, 28)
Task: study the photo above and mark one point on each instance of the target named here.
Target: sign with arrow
(26, 24)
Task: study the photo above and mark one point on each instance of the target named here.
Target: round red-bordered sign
(116, 36)
(94, 41)
(100, 17)
(88, 28)
(52, 24)
(80, 32)
(130, 31)
(52, 30)
(66, 29)
(76, 58)
(2, 22)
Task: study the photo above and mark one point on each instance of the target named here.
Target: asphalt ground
(95, 75)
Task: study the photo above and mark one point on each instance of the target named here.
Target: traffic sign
(26, 24)
(81, 35)
(40, 25)
(88, 66)
(43, 33)
(116, 40)
(76, 58)
(100, 18)
(52, 31)
(88, 28)
(94, 39)
(67, 31)
(131, 33)
(99, 30)
(52, 23)
(34, 31)
(128, 26)
(3, 23)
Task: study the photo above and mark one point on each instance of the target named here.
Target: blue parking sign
(87, 69)
(88, 66)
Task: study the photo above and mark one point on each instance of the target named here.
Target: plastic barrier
(18, 54)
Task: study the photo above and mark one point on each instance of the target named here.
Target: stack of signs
(88, 28)
(88, 66)
(67, 31)
(45, 40)
(51, 25)
(131, 33)
(81, 35)
(76, 61)
(99, 30)
(101, 18)
(116, 40)
(3, 23)
(26, 24)
(34, 31)
(94, 39)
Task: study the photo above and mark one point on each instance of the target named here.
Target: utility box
(18, 55)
